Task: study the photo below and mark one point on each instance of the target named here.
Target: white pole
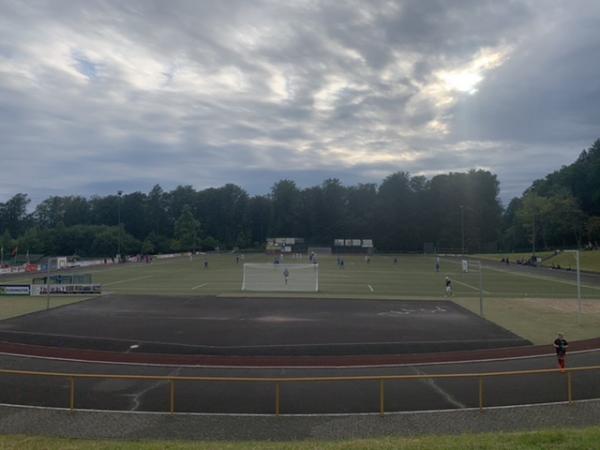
(48, 284)
(480, 289)
(244, 278)
(578, 288)
(578, 284)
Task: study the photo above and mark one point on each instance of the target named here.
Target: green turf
(12, 306)
(534, 306)
(557, 439)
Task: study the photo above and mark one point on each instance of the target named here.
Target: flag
(15, 251)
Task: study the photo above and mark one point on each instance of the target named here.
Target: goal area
(280, 277)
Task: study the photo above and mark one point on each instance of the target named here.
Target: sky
(101, 96)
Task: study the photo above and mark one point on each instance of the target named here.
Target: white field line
(470, 286)
(137, 396)
(199, 286)
(370, 288)
(129, 279)
(431, 383)
(541, 277)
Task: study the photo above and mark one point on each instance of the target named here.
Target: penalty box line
(475, 288)
(541, 277)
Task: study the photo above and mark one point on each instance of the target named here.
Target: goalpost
(280, 277)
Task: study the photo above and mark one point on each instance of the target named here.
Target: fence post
(277, 398)
(381, 398)
(480, 394)
(172, 392)
(570, 388)
(71, 393)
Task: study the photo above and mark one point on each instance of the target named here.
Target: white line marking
(431, 383)
(200, 414)
(129, 279)
(370, 287)
(541, 277)
(199, 286)
(137, 397)
(306, 367)
(528, 275)
(470, 286)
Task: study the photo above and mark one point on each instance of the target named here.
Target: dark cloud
(105, 95)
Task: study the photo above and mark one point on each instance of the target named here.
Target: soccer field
(532, 305)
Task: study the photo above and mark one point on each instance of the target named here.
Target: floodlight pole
(48, 284)
(462, 227)
(119, 193)
(578, 284)
(480, 289)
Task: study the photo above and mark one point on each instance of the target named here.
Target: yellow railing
(277, 381)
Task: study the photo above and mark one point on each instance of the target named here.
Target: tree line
(452, 212)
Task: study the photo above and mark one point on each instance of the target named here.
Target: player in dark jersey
(560, 345)
(448, 287)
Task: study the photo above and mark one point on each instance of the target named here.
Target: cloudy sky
(97, 96)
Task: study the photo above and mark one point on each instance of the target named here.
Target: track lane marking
(370, 288)
(199, 286)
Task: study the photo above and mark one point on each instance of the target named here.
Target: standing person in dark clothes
(560, 345)
(286, 274)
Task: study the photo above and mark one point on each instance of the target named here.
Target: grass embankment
(513, 257)
(563, 439)
(589, 259)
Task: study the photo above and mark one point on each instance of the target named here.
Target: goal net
(280, 277)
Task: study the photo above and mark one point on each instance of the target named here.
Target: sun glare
(462, 81)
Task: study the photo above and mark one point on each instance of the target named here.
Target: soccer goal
(281, 277)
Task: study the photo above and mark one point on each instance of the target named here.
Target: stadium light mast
(578, 284)
(119, 193)
(462, 227)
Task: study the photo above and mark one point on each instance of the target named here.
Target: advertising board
(15, 289)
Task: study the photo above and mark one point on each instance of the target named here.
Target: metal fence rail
(278, 381)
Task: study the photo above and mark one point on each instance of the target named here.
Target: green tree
(187, 230)
(285, 198)
(592, 228)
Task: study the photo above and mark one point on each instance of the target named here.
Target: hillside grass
(557, 439)
(589, 259)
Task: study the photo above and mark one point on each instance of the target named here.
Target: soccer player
(448, 287)
(560, 345)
